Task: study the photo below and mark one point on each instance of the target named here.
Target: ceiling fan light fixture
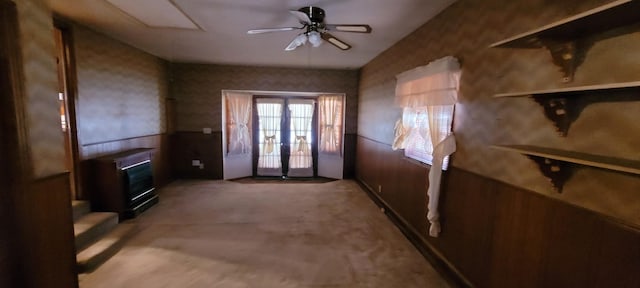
(297, 42)
(315, 39)
(315, 30)
(301, 39)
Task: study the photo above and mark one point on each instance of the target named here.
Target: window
(301, 116)
(428, 95)
(238, 123)
(330, 124)
(418, 144)
(269, 132)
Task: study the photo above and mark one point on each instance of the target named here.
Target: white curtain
(433, 87)
(238, 123)
(269, 118)
(403, 128)
(330, 109)
(430, 85)
(399, 135)
(444, 144)
(300, 159)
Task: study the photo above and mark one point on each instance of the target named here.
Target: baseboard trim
(450, 274)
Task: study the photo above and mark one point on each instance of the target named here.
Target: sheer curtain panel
(330, 107)
(238, 123)
(269, 119)
(300, 158)
(432, 90)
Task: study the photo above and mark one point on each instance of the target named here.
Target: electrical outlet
(201, 166)
(195, 162)
(379, 188)
(206, 130)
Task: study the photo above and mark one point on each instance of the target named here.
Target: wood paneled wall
(188, 146)
(45, 223)
(196, 92)
(499, 235)
(36, 232)
(349, 171)
(113, 77)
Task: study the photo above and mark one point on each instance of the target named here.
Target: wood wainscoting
(188, 146)
(162, 173)
(498, 235)
(350, 141)
(45, 225)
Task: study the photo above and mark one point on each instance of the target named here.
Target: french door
(285, 137)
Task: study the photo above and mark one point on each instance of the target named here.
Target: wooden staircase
(98, 236)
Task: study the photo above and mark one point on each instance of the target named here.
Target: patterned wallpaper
(40, 87)
(197, 89)
(121, 90)
(465, 30)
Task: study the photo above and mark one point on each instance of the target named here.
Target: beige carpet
(227, 234)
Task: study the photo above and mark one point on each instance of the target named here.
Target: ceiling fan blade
(357, 28)
(268, 30)
(335, 41)
(303, 17)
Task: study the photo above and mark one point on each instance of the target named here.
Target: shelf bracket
(560, 110)
(566, 55)
(558, 172)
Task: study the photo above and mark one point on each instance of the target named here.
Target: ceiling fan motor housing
(315, 14)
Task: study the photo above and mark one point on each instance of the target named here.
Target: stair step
(89, 228)
(96, 254)
(80, 208)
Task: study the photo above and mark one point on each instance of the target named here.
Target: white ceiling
(223, 38)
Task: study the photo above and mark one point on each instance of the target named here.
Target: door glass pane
(301, 137)
(269, 118)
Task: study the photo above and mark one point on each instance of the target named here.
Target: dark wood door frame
(71, 83)
(285, 149)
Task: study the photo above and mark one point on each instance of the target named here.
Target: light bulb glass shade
(296, 42)
(301, 39)
(315, 39)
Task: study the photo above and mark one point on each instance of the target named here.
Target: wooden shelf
(564, 38)
(562, 106)
(613, 15)
(573, 90)
(610, 163)
(552, 162)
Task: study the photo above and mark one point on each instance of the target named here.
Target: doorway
(284, 138)
(67, 104)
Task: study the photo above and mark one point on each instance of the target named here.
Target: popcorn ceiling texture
(465, 30)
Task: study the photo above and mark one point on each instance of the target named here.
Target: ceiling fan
(315, 30)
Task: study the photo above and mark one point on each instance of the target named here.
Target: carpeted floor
(228, 234)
